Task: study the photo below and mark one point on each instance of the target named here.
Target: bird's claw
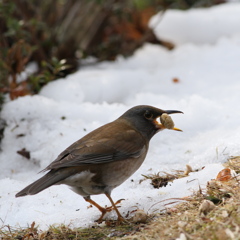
(109, 209)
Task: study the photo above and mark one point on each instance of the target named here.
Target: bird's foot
(119, 201)
(121, 220)
(104, 211)
(109, 209)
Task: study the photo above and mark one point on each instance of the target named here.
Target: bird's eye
(148, 115)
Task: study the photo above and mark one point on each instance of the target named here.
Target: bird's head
(146, 119)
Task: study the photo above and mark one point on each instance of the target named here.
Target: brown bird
(104, 158)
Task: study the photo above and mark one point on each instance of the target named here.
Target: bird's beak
(161, 126)
(177, 129)
(172, 111)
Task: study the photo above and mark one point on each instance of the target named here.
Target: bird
(104, 158)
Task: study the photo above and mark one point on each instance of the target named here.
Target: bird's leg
(120, 218)
(101, 209)
(116, 203)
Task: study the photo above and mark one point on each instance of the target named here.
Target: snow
(206, 63)
(198, 25)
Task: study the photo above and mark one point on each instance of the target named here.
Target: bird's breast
(115, 173)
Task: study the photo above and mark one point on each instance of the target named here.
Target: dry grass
(63, 232)
(194, 220)
(212, 213)
(161, 179)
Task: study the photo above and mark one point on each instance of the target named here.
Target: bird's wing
(105, 144)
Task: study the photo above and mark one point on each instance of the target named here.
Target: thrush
(104, 158)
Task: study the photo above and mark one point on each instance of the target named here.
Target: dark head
(144, 119)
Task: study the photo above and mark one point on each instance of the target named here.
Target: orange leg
(107, 209)
(101, 209)
(120, 218)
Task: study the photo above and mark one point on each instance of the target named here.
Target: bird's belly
(115, 173)
(82, 183)
(103, 178)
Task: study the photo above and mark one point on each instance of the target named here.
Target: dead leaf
(176, 80)
(224, 175)
(18, 91)
(24, 153)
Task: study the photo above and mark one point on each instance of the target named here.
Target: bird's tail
(44, 182)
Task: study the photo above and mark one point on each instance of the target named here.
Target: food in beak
(167, 122)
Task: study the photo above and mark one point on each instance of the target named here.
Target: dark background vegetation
(58, 34)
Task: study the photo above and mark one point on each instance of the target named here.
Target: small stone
(225, 214)
(140, 217)
(206, 207)
(182, 224)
